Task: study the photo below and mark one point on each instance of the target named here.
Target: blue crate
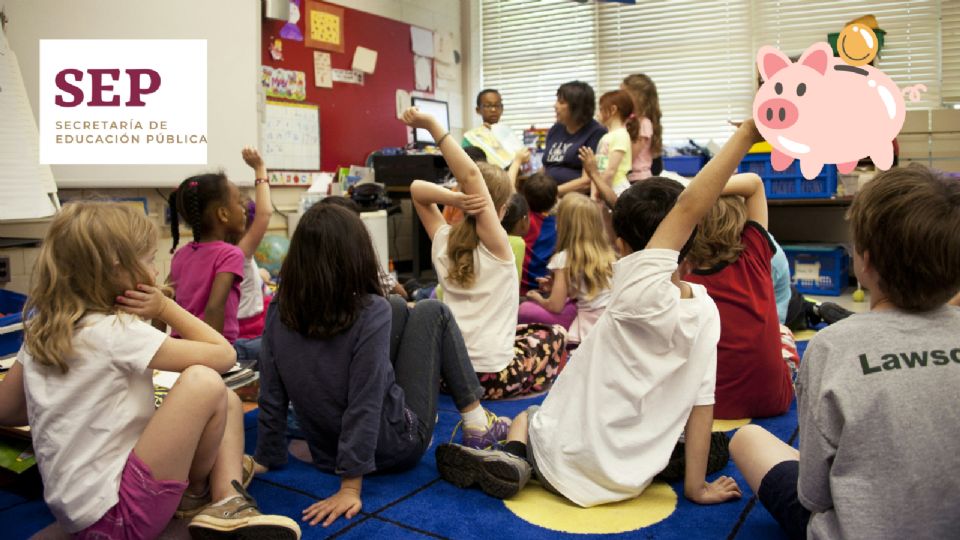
(818, 268)
(684, 165)
(790, 183)
(11, 328)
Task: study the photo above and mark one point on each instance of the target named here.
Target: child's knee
(746, 437)
(233, 401)
(202, 381)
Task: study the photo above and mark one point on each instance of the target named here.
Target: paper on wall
(348, 76)
(422, 41)
(364, 60)
(403, 102)
(423, 73)
(322, 70)
(443, 47)
(446, 71)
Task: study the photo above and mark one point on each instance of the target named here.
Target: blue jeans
(248, 352)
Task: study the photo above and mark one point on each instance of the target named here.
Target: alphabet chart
(291, 136)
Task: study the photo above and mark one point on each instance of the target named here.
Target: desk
(419, 241)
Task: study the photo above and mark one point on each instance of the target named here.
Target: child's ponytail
(464, 239)
(174, 218)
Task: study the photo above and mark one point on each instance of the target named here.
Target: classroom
(464, 269)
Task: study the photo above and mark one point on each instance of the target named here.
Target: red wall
(354, 120)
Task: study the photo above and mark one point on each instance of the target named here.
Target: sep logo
(141, 81)
(138, 101)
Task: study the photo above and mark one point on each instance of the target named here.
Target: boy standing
(877, 391)
(645, 373)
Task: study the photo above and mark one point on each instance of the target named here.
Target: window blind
(950, 51)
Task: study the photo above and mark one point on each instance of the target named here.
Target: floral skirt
(540, 353)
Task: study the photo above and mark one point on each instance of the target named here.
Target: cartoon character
(821, 110)
(276, 49)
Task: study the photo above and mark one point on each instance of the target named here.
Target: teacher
(575, 128)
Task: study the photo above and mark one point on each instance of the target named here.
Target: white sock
(475, 418)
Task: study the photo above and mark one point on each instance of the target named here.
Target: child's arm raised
(750, 187)
(426, 196)
(523, 156)
(604, 184)
(696, 450)
(264, 207)
(703, 191)
(470, 181)
(201, 344)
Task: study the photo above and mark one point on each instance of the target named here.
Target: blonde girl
(475, 265)
(581, 269)
(114, 466)
(648, 146)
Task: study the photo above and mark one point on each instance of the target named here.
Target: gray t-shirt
(879, 425)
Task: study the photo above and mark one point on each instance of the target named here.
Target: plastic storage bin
(790, 183)
(684, 165)
(11, 324)
(818, 268)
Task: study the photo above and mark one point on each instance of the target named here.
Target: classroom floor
(418, 504)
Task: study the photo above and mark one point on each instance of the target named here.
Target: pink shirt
(192, 270)
(642, 159)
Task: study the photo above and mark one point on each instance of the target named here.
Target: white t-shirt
(86, 422)
(610, 422)
(600, 301)
(486, 312)
(251, 290)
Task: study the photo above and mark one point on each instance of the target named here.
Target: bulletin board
(290, 136)
(357, 119)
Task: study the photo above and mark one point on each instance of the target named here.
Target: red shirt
(752, 378)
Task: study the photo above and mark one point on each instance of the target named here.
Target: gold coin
(857, 44)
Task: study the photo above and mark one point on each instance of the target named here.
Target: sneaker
(831, 313)
(500, 474)
(191, 505)
(489, 436)
(717, 458)
(240, 518)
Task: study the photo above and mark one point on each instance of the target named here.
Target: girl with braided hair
(206, 273)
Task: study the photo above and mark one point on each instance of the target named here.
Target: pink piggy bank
(821, 110)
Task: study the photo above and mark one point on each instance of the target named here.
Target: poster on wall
(322, 70)
(324, 27)
(284, 83)
(291, 136)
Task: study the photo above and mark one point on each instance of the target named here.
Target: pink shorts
(145, 507)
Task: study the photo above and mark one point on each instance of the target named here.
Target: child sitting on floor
(113, 466)
(731, 255)
(361, 371)
(877, 392)
(644, 374)
(516, 221)
(476, 268)
(581, 269)
(206, 273)
(540, 191)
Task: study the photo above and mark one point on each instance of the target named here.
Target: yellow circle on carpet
(730, 425)
(535, 505)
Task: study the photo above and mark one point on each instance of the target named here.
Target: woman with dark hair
(361, 371)
(574, 129)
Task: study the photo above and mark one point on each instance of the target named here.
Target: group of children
(674, 315)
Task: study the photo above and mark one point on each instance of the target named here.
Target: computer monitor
(435, 108)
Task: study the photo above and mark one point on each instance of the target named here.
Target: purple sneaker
(488, 436)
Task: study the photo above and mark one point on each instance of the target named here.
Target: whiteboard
(232, 31)
(291, 136)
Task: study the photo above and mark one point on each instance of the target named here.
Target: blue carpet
(417, 504)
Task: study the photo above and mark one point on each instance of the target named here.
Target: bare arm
(471, 182)
(604, 185)
(703, 191)
(13, 399)
(264, 207)
(558, 293)
(523, 156)
(696, 450)
(426, 196)
(215, 311)
(750, 187)
(201, 344)
(581, 185)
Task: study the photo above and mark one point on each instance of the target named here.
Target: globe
(271, 252)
